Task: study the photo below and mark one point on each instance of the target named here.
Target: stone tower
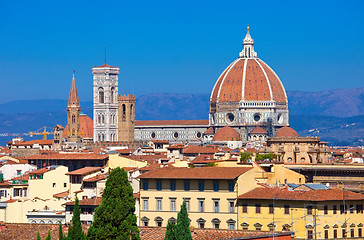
(73, 114)
(126, 117)
(105, 80)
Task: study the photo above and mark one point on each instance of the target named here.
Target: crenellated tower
(73, 114)
(105, 98)
(126, 116)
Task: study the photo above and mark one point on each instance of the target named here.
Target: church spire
(73, 99)
(248, 46)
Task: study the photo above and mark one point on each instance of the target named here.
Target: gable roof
(84, 171)
(196, 173)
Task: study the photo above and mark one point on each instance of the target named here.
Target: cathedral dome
(248, 78)
(226, 134)
(286, 132)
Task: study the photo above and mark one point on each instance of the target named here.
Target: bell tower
(126, 124)
(73, 114)
(105, 99)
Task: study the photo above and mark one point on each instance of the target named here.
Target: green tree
(182, 229)
(115, 218)
(38, 236)
(48, 236)
(75, 230)
(244, 156)
(60, 232)
(170, 232)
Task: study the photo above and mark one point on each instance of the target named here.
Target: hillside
(333, 115)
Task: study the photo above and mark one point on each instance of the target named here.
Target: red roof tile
(226, 134)
(286, 132)
(84, 171)
(96, 201)
(69, 156)
(258, 130)
(194, 149)
(32, 142)
(61, 194)
(95, 178)
(196, 173)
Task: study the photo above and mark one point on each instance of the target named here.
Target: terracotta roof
(160, 141)
(32, 142)
(158, 233)
(210, 130)
(196, 173)
(61, 194)
(69, 156)
(261, 83)
(226, 134)
(194, 149)
(105, 66)
(176, 146)
(95, 178)
(310, 195)
(201, 159)
(125, 151)
(23, 177)
(86, 127)
(40, 171)
(286, 132)
(171, 122)
(84, 171)
(258, 130)
(96, 201)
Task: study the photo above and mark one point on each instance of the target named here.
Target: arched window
(101, 95)
(131, 112)
(73, 119)
(102, 119)
(99, 119)
(98, 138)
(112, 95)
(103, 137)
(73, 131)
(124, 112)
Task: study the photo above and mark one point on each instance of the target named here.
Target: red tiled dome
(86, 127)
(287, 132)
(248, 79)
(226, 134)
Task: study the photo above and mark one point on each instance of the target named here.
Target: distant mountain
(333, 115)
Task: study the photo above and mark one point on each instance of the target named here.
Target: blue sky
(175, 46)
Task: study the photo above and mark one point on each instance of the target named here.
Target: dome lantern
(248, 46)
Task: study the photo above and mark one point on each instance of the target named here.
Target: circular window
(175, 135)
(230, 117)
(256, 117)
(280, 118)
(153, 135)
(198, 135)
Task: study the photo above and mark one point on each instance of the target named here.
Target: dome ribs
(256, 85)
(215, 91)
(276, 84)
(231, 88)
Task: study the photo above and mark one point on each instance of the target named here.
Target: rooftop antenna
(105, 55)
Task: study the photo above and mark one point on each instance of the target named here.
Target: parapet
(127, 97)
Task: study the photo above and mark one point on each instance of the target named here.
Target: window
(158, 221)
(25, 191)
(173, 204)
(101, 95)
(286, 209)
(309, 234)
(3, 193)
(159, 185)
(359, 232)
(145, 204)
(335, 233)
(325, 209)
(271, 209)
(201, 186)
(231, 206)
(18, 172)
(231, 186)
(173, 185)
(326, 234)
(201, 222)
(54, 185)
(159, 204)
(334, 209)
(359, 208)
(216, 206)
(187, 201)
(342, 209)
(216, 186)
(309, 210)
(145, 221)
(124, 112)
(257, 208)
(187, 185)
(216, 223)
(344, 233)
(245, 208)
(76, 179)
(352, 232)
(64, 184)
(145, 185)
(201, 205)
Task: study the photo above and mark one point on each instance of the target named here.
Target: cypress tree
(115, 218)
(170, 232)
(75, 230)
(48, 236)
(60, 232)
(38, 236)
(182, 230)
